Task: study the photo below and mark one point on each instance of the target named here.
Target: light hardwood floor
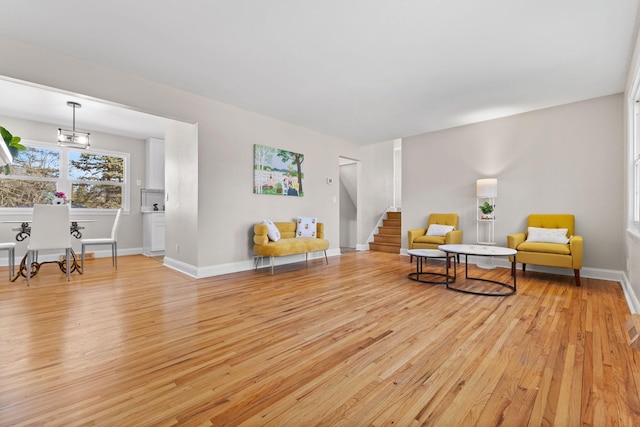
(352, 343)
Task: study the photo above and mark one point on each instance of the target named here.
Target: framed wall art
(277, 172)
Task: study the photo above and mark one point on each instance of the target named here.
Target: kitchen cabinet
(154, 152)
(153, 230)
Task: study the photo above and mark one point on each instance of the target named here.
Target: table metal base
(35, 266)
(512, 288)
(445, 276)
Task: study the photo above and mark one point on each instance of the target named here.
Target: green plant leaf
(6, 135)
(13, 144)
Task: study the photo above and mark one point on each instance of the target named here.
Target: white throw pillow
(547, 235)
(306, 227)
(273, 233)
(439, 230)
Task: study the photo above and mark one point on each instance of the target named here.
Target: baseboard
(630, 296)
(264, 262)
(184, 268)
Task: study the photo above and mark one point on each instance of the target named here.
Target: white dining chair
(49, 230)
(10, 247)
(113, 241)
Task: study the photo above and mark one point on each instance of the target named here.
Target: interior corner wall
(348, 207)
(565, 159)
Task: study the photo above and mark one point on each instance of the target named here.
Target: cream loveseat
(287, 243)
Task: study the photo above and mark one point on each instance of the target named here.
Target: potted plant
(487, 210)
(13, 144)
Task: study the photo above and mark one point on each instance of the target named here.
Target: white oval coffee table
(421, 256)
(480, 250)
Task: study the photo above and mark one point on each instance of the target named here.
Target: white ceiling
(363, 70)
(33, 102)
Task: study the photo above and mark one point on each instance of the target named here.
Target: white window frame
(64, 183)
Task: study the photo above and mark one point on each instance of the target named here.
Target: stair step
(389, 234)
(383, 238)
(394, 215)
(391, 231)
(384, 247)
(391, 222)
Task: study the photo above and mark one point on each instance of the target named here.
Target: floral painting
(277, 172)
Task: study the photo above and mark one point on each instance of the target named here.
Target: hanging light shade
(487, 187)
(73, 138)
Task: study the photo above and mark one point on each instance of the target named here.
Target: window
(96, 180)
(93, 179)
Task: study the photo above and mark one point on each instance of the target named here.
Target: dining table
(23, 231)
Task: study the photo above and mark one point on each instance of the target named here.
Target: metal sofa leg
(325, 257)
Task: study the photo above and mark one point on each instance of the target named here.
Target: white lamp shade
(487, 187)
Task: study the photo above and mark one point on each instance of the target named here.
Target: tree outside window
(93, 179)
(96, 180)
(34, 174)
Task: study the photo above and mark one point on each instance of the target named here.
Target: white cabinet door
(157, 235)
(153, 233)
(155, 163)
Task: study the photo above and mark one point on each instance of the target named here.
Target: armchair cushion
(439, 230)
(547, 235)
(552, 248)
(435, 240)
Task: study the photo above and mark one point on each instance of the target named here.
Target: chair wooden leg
(576, 273)
(524, 267)
(513, 268)
(410, 259)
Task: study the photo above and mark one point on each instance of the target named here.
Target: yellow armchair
(551, 254)
(418, 239)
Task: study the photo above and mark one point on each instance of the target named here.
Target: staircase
(389, 235)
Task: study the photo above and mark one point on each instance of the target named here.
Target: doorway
(348, 204)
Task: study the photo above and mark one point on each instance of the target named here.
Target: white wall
(214, 229)
(566, 159)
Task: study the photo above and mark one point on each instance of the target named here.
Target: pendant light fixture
(73, 138)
